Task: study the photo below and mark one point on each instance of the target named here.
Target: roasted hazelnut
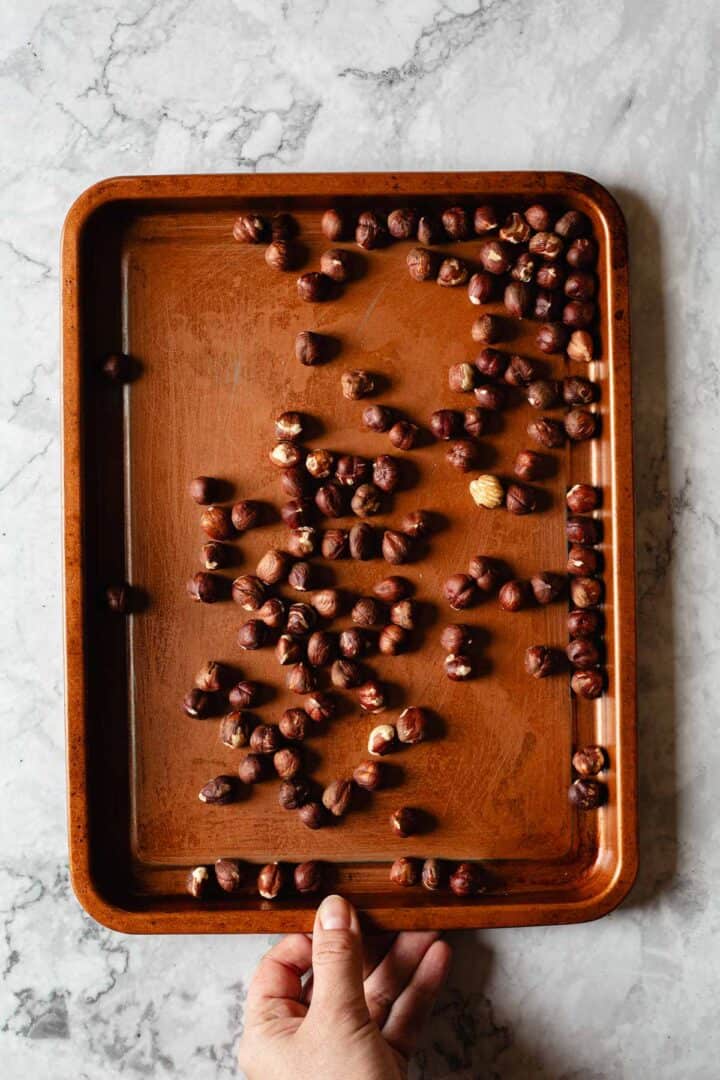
(475, 422)
(249, 592)
(281, 255)
(302, 541)
(313, 815)
(283, 226)
(330, 500)
(368, 775)
(120, 368)
(397, 548)
(288, 650)
(462, 455)
(551, 337)
(393, 640)
(320, 463)
(352, 469)
(314, 287)
(405, 821)
(296, 513)
(203, 489)
(538, 217)
(353, 643)
(541, 661)
(286, 454)
(578, 390)
(584, 623)
(321, 648)
(271, 881)
(289, 426)
(430, 230)
(587, 684)
(337, 264)
(229, 874)
(377, 418)
(458, 667)
(368, 612)
(543, 394)
(583, 561)
(515, 230)
(578, 314)
(386, 473)
(252, 634)
(402, 223)
(362, 541)
(456, 222)
(413, 725)
(547, 306)
(197, 882)
(461, 378)
(582, 253)
(530, 465)
(337, 796)
(421, 263)
(245, 515)
(518, 299)
(486, 329)
(582, 498)
(213, 676)
(491, 397)
(549, 277)
(581, 347)
(585, 592)
(403, 435)
(465, 880)
(520, 499)
(445, 423)
(580, 285)
(356, 384)
(433, 874)
(491, 363)
(216, 522)
(371, 231)
(309, 876)
(311, 348)
(366, 501)
(405, 614)
(452, 272)
(287, 762)
(589, 760)
(320, 707)
(214, 556)
(252, 769)
(371, 696)
(250, 229)
(487, 491)
(573, 223)
(547, 432)
(513, 595)
(327, 602)
(220, 790)
(484, 219)
(393, 588)
(460, 591)
(381, 740)
(207, 588)
(273, 566)
(583, 653)
(265, 739)
(334, 224)
(404, 872)
(480, 288)
(198, 703)
(334, 544)
(524, 268)
(301, 620)
(346, 674)
(495, 257)
(294, 725)
(243, 694)
(295, 483)
(586, 794)
(235, 729)
(292, 794)
(582, 530)
(581, 424)
(547, 244)
(547, 586)
(456, 638)
(521, 371)
(301, 679)
(488, 575)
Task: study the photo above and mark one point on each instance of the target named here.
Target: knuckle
(336, 946)
(379, 1000)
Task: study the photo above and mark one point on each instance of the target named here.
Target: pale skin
(360, 1014)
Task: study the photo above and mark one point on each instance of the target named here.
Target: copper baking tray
(150, 268)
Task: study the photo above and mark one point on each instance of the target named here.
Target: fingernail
(335, 913)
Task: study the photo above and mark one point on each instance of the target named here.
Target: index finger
(276, 988)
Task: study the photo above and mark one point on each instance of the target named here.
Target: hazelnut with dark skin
(301, 679)
(541, 661)
(589, 760)
(548, 432)
(404, 821)
(271, 881)
(216, 523)
(337, 264)
(405, 872)
(480, 288)
(243, 695)
(445, 423)
(487, 329)
(530, 465)
(551, 337)
(422, 264)
(462, 455)
(488, 573)
(397, 548)
(588, 684)
(392, 640)
(334, 544)
(521, 371)
(362, 541)
(309, 877)
(334, 224)
(314, 287)
(313, 815)
(460, 591)
(403, 435)
(402, 223)
(377, 418)
(520, 499)
(584, 623)
(583, 530)
(203, 489)
(465, 880)
(294, 724)
(301, 620)
(581, 424)
(252, 635)
(491, 363)
(368, 775)
(583, 653)
(583, 561)
(456, 638)
(337, 797)
(458, 667)
(587, 794)
(582, 498)
(205, 587)
(586, 592)
(252, 769)
(513, 595)
(386, 473)
(547, 586)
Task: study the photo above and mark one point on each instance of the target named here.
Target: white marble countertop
(626, 92)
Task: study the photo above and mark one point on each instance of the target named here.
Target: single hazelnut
(249, 592)
(547, 245)
(458, 667)
(334, 544)
(286, 455)
(265, 739)
(287, 762)
(250, 229)
(465, 879)
(235, 729)
(547, 586)
(281, 255)
(198, 703)
(547, 306)
(421, 263)
(311, 348)
(578, 390)
(302, 541)
(309, 876)
(491, 396)
(371, 231)
(584, 623)
(452, 272)
(445, 423)
(413, 725)
(480, 288)
(377, 418)
(330, 500)
(337, 264)
(515, 230)
(589, 760)
(337, 797)
(543, 394)
(397, 548)
(461, 378)
(487, 491)
(353, 643)
(538, 217)
(430, 230)
(518, 299)
(283, 226)
(362, 541)
(203, 489)
(320, 463)
(243, 695)
(292, 794)
(346, 674)
(491, 363)
(386, 473)
(368, 612)
(245, 515)
(460, 591)
(321, 648)
(368, 775)
(120, 368)
(456, 223)
(252, 634)
(541, 661)
(462, 455)
(586, 592)
(582, 253)
(580, 285)
(547, 432)
(405, 821)
(581, 424)
(586, 794)
(197, 882)
(580, 348)
(334, 224)
(582, 530)
(578, 314)
(295, 483)
(403, 435)
(583, 653)
(119, 598)
(404, 872)
(366, 501)
(456, 638)
(252, 769)
(520, 499)
(294, 724)
(433, 874)
(583, 561)
(393, 640)
(393, 588)
(216, 522)
(288, 650)
(529, 465)
(521, 371)
(213, 676)
(352, 469)
(486, 329)
(495, 257)
(220, 790)
(550, 277)
(296, 513)
(207, 588)
(214, 556)
(273, 567)
(402, 223)
(551, 337)
(573, 223)
(582, 498)
(484, 219)
(320, 707)
(271, 881)
(405, 614)
(301, 679)
(513, 595)
(313, 815)
(381, 740)
(289, 426)
(587, 684)
(524, 268)
(314, 287)
(229, 874)
(356, 384)
(475, 422)
(371, 696)
(327, 602)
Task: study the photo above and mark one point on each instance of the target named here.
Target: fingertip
(335, 913)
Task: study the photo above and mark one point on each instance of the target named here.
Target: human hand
(358, 1018)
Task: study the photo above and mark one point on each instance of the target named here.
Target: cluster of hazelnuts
(233, 876)
(586, 792)
(465, 879)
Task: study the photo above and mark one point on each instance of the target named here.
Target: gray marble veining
(627, 92)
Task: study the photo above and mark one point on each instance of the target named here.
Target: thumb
(337, 963)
